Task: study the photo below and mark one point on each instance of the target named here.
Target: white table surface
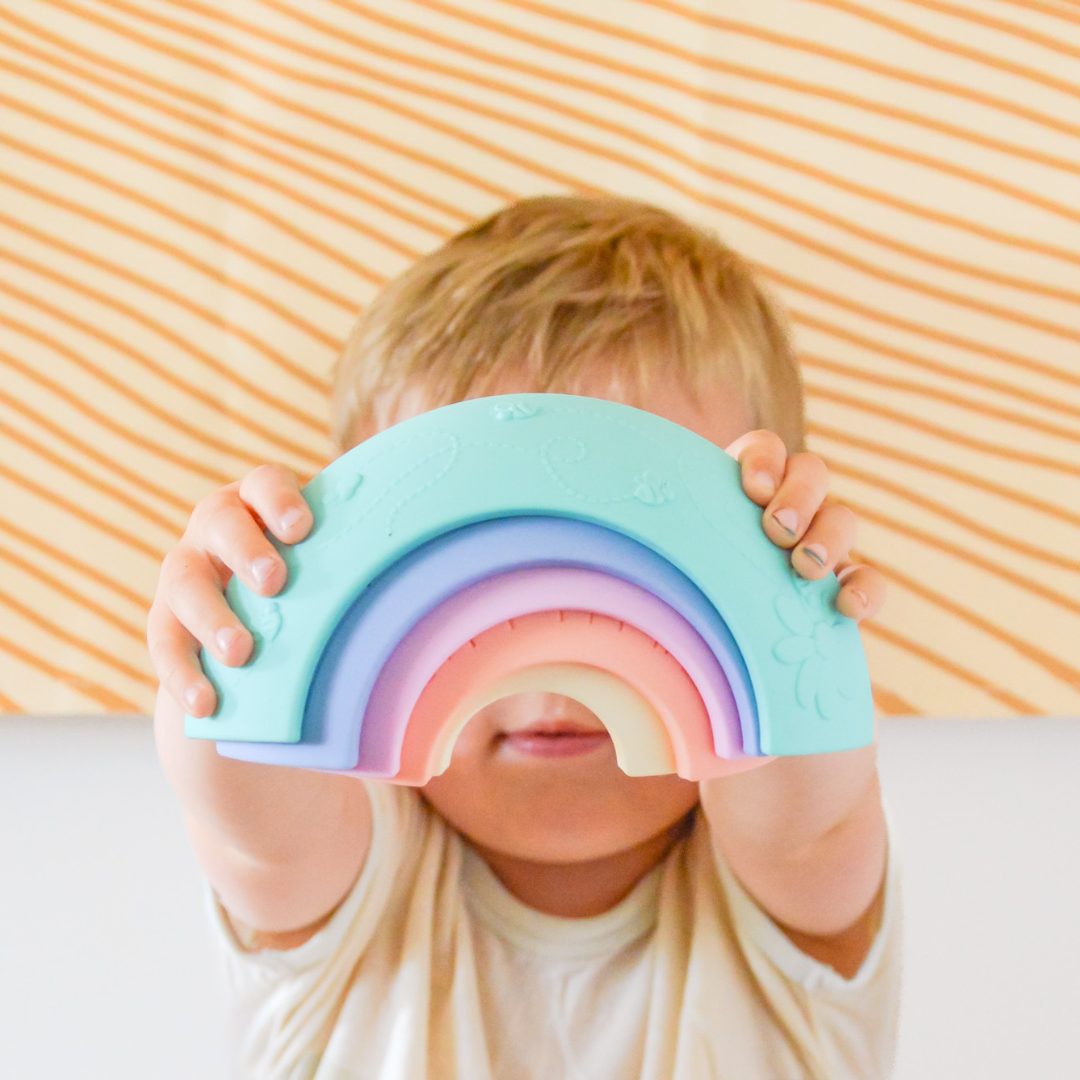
(106, 969)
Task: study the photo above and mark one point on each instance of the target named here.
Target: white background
(106, 968)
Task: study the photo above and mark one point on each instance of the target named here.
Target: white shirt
(432, 970)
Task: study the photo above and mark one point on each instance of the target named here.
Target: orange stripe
(1017, 704)
(1047, 9)
(72, 508)
(891, 704)
(980, 528)
(106, 421)
(173, 528)
(235, 79)
(67, 165)
(235, 120)
(965, 555)
(935, 394)
(9, 706)
(464, 136)
(154, 287)
(768, 155)
(69, 560)
(87, 647)
(969, 344)
(484, 111)
(938, 467)
(715, 64)
(427, 64)
(951, 47)
(865, 63)
(227, 374)
(90, 690)
(1054, 667)
(115, 384)
(78, 598)
(566, 140)
(974, 378)
(196, 181)
(237, 417)
(835, 253)
(86, 450)
(223, 163)
(1015, 29)
(1008, 453)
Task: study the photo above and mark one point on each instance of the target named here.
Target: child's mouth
(559, 739)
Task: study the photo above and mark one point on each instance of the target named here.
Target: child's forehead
(716, 408)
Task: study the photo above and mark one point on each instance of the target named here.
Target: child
(533, 912)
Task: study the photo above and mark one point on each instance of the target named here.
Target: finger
(174, 652)
(801, 494)
(862, 591)
(761, 455)
(831, 535)
(190, 588)
(273, 492)
(223, 527)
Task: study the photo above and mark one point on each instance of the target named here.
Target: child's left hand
(799, 515)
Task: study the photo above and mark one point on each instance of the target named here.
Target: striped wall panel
(196, 199)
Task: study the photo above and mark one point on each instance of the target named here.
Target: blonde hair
(554, 286)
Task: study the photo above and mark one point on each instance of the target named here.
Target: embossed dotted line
(747, 550)
(559, 482)
(368, 462)
(595, 414)
(499, 446)
(452, 446)
(454, 449)
(406, 441)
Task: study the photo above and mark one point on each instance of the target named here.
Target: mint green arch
(564, 456)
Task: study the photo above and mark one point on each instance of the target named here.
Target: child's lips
(555, 739)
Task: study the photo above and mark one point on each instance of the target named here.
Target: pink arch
(510, 595)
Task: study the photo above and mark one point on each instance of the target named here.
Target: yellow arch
(642, 744)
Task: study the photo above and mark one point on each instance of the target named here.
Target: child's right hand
(224, 535)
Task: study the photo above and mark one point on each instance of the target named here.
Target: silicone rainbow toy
(538, 542)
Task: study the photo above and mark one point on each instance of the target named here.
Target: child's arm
(280, 846)
(806, 838)
(806, 835)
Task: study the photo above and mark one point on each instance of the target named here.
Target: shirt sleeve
(848, 1027)
(282, 1002)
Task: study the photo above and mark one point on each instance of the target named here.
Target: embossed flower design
(813, 641)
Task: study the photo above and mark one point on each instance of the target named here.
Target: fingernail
(225, 637)
(861, 597)
(817, 553)
(787, 519)
(262, 568)
(290, 518)
(191, 696)
(764, 481)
